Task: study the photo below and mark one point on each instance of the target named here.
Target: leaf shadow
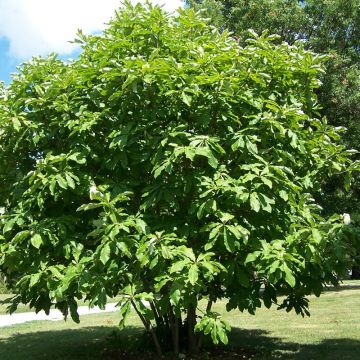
(270, 347)
(100, 342)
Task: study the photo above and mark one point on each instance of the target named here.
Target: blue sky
(7, 63)
(39, 27)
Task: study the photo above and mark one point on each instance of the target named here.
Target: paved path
(55, 315)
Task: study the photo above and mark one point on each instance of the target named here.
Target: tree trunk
(158, 319)
(150, 329)
(191, 322)
(174, 324)
(355, 273)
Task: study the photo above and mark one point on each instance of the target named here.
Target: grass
(332, 332)
(64, 340)
(4, 302)
(3, 288)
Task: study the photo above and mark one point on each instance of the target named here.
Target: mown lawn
(332, 332)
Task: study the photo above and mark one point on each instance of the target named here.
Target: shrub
(169, 165)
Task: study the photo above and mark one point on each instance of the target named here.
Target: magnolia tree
(171, 167)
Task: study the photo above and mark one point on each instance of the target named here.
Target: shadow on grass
(83, 343)
(93, 342)
(276, 348)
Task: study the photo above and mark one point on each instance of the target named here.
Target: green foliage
(169, 165)
(283, 17)
(212, 324)
(325, 26)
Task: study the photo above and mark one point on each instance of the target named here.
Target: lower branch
(149, 328)
(209, 305)
(157, 317)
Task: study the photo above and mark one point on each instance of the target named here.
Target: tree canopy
(324, 26)
(169, 165)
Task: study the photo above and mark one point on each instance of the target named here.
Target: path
(55, 315)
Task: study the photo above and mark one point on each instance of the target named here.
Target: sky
(39, 27)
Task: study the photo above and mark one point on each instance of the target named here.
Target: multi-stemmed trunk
(171, 328)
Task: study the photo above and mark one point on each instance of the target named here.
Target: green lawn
(4, 302)
(332, 332)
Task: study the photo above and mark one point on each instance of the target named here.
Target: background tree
(324, 26)
(172, 167)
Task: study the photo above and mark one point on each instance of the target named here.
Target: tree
(324, 26)
(283, 17)
(170, 166)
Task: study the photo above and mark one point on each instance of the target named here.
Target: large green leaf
(105, 253)
(193, 274)
(36, 241)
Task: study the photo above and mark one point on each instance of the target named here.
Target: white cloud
(35, 27)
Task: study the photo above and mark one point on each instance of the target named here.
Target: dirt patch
(213, 354)
(129, 355)
(228, 354)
